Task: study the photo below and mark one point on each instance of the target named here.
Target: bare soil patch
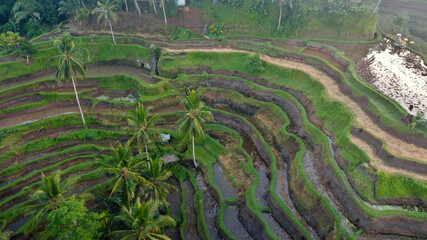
(104, 70)
(380, 165)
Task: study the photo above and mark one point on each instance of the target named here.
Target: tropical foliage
(106, 12)
(72, 221)
(47, 198)
(144, 221)
(126, 170)
(69, 66)
(143, 126)
(191, 123)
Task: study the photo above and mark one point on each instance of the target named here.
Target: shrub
(255, 64)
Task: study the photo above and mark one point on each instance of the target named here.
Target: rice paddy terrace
(302, 150)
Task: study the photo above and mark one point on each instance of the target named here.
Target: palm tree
(144, 126)
(281, 3)
(145, 221)
(192, 122)
(153, 2)
(106, 11)
(157, 175)
(24, 9)
(162, 3)
(10, 40)
(68, 7)
(69, 66)
(48, 197)
(137, 6)
(126, 169)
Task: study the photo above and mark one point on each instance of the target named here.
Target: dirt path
(380, 165)
(93, 71)
(394, 145)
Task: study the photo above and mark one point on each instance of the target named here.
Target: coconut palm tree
(24, 9)
(156, 173)
(48, 197)
(106, 10)
(69, 66)
(281, 3)
(144, 126)
(10, 40)
(68, 7)
(191, 125)
(162, 4)
(153, 2)
(137, 6)
(145, 221)
(126, 170)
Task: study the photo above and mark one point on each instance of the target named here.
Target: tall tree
(153, 2)
(69, 66)
(144, 126)
(162, 3)
(281, 4)
(10, 40)
(106, 10)
(68, 7)
(137, 6)
(24, 9)
(127, 173)
(47, 198)
(157, 174)
(191, 125)
(26, 49)
(72, 221)
(145, 221)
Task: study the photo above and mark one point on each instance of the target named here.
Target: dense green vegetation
(311, 19)
(111, 177)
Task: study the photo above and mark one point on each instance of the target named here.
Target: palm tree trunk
(84, 6)
(378, 4)
(78, 101)
(154, 6)
(146, 149)
(35, 20)
(112, 33)
(138, 142)
(137, 7)
(164, 13)
(280, 15)
(194, 154)
(126, 4)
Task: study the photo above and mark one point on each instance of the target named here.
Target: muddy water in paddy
(231, 221)
(190, 231)
(282, 189)
(227, 189)
(211, 213)
(277, 229)
(310, 169)
(174, 198)
(400, 74)
(263, 187)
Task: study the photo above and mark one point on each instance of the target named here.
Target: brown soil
(39, 114)
(93, 71)
(325, 56)
(234, 162)
(146, 25)
(380, 165)
(189, 18)
(274, 124)
(394, 145)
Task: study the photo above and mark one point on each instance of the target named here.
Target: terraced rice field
(303, 150)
